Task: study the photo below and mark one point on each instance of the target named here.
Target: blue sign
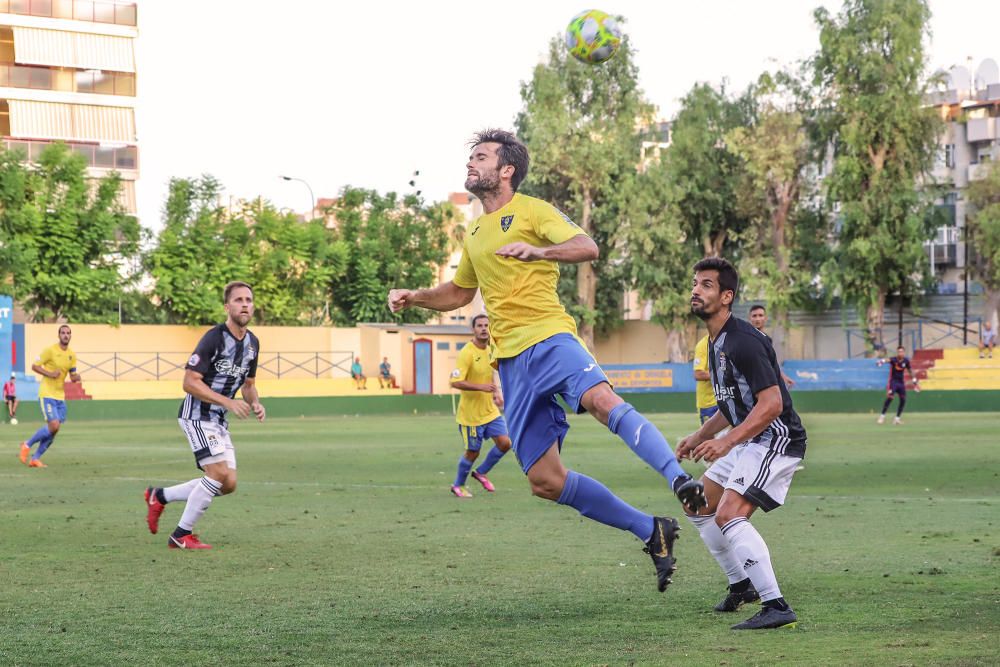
(6, 336)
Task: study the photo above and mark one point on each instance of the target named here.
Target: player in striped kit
(224, 362)
(752, 464)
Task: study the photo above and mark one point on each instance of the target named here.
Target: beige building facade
(68, 73)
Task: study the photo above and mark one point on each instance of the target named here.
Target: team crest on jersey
(722, 361)
(506, 221)
(248, 354)
(193, 361)
(456, 373)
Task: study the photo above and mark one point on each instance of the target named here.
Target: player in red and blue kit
(897, 385)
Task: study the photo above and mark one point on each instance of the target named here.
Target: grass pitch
(343, 546)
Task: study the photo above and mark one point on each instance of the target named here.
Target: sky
(365, 93)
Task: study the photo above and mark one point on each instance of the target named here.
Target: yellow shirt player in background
(704, 394)
(53, 364)
(479, 406)
(511, 254)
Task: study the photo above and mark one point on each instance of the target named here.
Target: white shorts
(757, 473)
(209, 442)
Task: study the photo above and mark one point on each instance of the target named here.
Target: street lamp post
(312, 212)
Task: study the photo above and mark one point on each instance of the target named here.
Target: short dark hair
(478, 317)
(729, 280)
(63, 326)
(757, 306)
(511, 152)
(900, 348)
(233, 285)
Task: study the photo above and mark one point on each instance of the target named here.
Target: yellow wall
(636, 342)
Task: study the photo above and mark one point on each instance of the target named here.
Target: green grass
(342, 546)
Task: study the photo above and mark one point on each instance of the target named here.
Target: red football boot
(154, 508)
(187, 542)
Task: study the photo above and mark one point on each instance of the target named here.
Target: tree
(390, 242)
(292, 265)
(580, 123)
(984, 234)
(684, 207)
(661, 254)
(704, 172)
(65, 240)
(870, 66)
(773, 187)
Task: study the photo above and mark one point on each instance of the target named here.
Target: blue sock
(645, 440)
(42, 447)
(492, 458)
(40, 434)
(464, 466)
(595, 501)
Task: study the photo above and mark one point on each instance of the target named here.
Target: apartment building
(68, 73)
(970, 107)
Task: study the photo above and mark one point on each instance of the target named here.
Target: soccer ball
(13, 421)
(593, 36)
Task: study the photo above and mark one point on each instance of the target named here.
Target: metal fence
(922, 333)
(133, 366)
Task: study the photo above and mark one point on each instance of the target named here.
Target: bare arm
(765, 411)
(789, 382)
(249, 392)
(713, 425)
(446, 296)
(580, 248)
(193, 385)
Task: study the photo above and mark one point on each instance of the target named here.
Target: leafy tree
(292, 265)
(870, 65)
(984, 233)
(579, 123)
(65, 240)
(390, 242)
(684, 207)
(660, 254)
(704, 172)
(774, 194)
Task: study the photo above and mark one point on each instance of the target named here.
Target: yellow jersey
(475, 408)
(54, 358)
(520, 297)
(704, 395)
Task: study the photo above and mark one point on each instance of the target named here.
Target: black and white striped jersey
(224, 363)
(742, 363)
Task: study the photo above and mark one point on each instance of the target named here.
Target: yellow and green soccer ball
(593, 36)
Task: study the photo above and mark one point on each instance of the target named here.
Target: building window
(949, 156)
(442, 346)
(459, 346)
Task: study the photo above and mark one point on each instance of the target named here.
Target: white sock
(719, 547)
(179, 491)
(751, 550)
(199, 499)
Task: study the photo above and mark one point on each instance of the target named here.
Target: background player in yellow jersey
(53, 364)
(511, 253)
(479, 406)
(704, 394)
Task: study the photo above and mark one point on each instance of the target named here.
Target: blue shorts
(53, 408)
(706, 413)
(473, 436)
(898, 388)
(559, 365)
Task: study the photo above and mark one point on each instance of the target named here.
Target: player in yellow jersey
(479, 406)
(511, 254)
(704, 394)
(53, 364)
